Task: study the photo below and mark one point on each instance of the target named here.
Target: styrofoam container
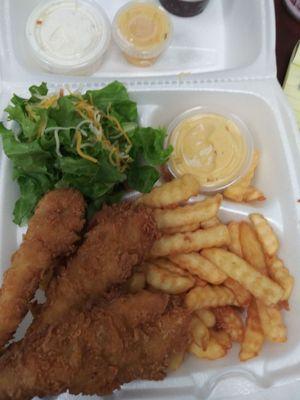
(220, 74)
(262, 108)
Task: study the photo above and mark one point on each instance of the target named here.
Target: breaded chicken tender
(97, 350)
(53, 232)
(120, 238)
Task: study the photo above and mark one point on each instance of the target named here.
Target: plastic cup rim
(243, 128)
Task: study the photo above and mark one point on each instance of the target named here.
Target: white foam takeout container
(223, 58)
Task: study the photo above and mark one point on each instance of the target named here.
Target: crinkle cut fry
(171, 193)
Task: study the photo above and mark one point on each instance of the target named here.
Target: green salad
(92, 142)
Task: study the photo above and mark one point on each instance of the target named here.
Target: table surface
(287, 35)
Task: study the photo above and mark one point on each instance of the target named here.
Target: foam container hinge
(242, 82)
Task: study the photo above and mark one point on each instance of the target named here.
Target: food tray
(262, 107)
(237, 81)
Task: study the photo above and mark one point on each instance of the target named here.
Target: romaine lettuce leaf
(142, 178)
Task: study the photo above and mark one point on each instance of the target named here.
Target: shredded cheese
(49, 101)
(114, 140)
(42, 127)
(80, 152)
(57, 143)
(116, 157)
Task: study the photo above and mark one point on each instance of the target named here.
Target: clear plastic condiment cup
(68, 36)
(243, 129)
(136, 36)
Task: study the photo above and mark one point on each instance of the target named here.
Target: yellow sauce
(208, 146)
(145, 27)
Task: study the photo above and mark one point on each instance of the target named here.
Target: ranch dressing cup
(142, 30)
(68, 36)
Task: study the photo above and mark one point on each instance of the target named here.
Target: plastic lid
(142, 29)
(68, 36)
(237, 124)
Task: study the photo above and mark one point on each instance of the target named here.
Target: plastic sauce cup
(214, 145)
(68, 36)
(142, 30)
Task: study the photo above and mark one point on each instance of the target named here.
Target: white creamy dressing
(67, 32)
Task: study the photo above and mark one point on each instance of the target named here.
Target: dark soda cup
(184, 8)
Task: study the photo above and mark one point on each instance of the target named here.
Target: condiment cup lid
(128, 47)
(68, 36)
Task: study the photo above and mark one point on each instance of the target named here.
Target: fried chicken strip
(119, 239)
(95, 351)
(52, 232)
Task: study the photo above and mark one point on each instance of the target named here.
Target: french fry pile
(229, 274)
